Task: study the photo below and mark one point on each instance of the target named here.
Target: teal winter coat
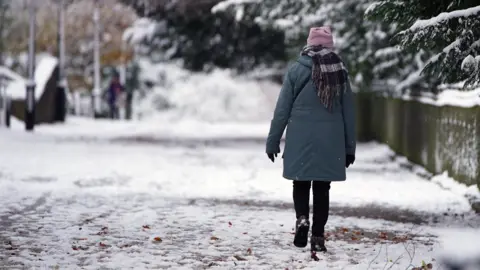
(317, 140)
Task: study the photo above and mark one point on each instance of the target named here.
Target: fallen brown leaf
(146, 227)
(214, 238)
(157, 239)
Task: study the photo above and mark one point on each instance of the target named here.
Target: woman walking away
(316, 106)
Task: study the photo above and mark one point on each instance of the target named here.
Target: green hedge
(440, 138)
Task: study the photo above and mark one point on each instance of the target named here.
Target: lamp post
(3, 103)
(30, 87)
(3, 94)
(60, 97)
(3, 10)
(96, 59)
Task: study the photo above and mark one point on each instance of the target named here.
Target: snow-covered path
(158, 203)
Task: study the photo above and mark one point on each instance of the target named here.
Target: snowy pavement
(126, 201)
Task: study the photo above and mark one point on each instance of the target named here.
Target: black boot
(302, 226)
(317, 244)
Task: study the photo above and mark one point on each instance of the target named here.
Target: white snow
(43, 71)
(387, 51)
(461, 247)
(4, 71)
(372, 7)
(451, 97)
(14, 83)
(80, 127)
(250, 175)
(387, 64)
(218, 96)
(74, 197)
(468, 63)
(141, 29)
(223, 5)
(444, 16)
(450, 184)
(409, 80)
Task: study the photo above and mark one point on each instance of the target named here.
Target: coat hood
(305, 60)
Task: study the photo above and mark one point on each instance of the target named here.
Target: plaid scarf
(329, 74)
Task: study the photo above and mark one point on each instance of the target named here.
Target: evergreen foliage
(448, 32)
(188, 30)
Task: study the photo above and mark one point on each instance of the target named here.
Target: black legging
(321, 203)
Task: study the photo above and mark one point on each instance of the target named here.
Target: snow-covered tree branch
(448, 32)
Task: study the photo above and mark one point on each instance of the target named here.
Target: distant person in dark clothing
(114, 93)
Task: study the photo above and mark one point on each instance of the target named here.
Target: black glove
(272, 156)
(350, 159)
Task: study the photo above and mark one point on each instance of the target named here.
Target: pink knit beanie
(320, 36)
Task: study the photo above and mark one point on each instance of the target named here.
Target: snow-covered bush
(177, 93)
